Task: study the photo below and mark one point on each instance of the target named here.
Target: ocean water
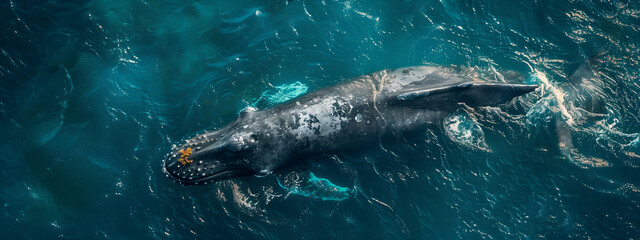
(93, 94)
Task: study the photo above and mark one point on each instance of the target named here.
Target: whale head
(227, 153)
(211, 157)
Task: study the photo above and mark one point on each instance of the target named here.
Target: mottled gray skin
(350, 115)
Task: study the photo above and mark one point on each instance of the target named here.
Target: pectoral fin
(470, 93)
(308, 185)
(432, 92)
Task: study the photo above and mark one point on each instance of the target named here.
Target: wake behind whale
(349, 115)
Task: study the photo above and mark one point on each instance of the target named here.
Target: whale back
(421, 77)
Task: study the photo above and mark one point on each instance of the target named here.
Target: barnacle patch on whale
(184, 157)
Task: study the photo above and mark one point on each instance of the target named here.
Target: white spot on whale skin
(359, 117)
(319, 117)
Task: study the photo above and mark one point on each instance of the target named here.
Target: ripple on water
(93, 94)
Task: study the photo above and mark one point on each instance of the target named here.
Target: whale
(353, 114)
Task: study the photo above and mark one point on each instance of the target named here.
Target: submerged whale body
(348, 115)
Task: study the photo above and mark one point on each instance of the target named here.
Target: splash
(558, 109)
(557, 93)
(280, 94)
(540, 112)
(463, 129)
(318, 188)
(635, 143)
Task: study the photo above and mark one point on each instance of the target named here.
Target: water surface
(94, 94)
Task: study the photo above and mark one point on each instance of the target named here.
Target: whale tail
(584, 91)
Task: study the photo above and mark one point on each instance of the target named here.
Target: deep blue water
(93, 94)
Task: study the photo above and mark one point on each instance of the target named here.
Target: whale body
(349, 115)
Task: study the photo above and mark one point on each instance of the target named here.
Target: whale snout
(202, 160)
(199, 170)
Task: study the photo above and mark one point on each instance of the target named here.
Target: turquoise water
(94, 94)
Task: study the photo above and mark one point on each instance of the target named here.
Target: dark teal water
(93, 94)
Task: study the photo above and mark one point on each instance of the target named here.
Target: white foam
(461, 128)
(557, 93)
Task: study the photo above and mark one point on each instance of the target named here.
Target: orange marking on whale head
(184, 157)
